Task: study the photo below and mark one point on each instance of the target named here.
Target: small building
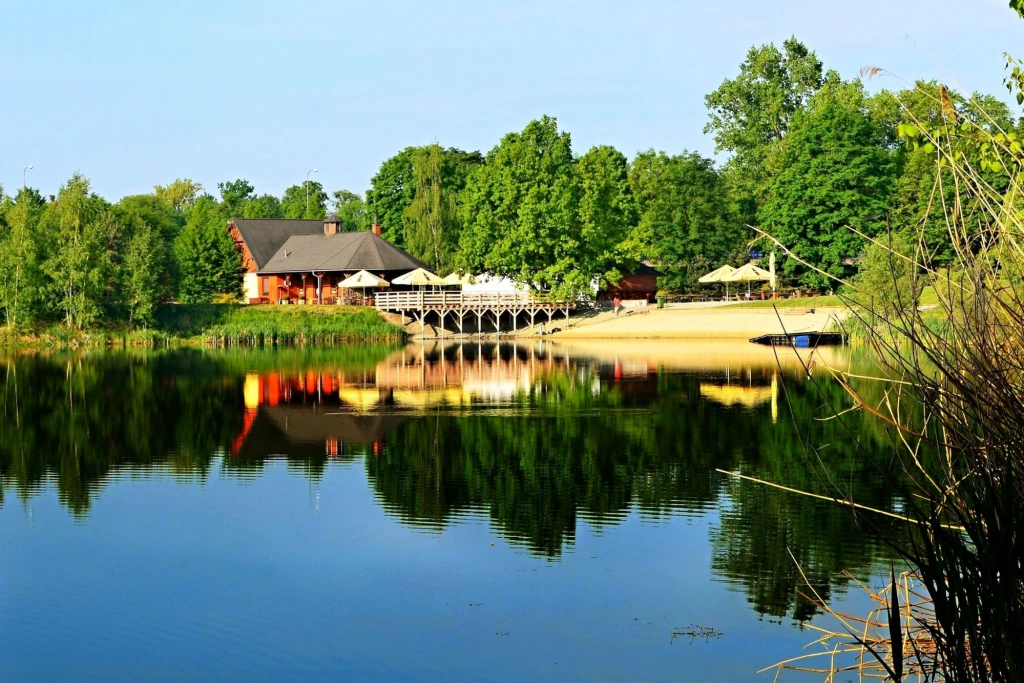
(303, 260)
(639, 285)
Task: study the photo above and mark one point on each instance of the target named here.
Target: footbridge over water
(493, 308)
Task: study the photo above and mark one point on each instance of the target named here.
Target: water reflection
(536, 437)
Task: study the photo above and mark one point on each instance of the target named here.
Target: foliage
(263, 206)
(179, 195)
(521, 214)
(836, 175)
(607, 211)
(20, 275)
(207, 258)
(686, 223)
(234, 195)
(352, 210)
(392, 190)
(307, 200)
(431, 222)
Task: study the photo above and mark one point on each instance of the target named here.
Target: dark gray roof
(264, 236)
(345, 251)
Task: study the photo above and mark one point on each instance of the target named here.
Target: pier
(492, 307)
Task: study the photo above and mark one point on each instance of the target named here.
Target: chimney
(332, 224)
(376, 229)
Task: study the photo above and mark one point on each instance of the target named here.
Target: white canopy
(748, 273)
(420, 276)
(363, 280)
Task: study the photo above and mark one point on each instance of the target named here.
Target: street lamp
(307, 188)
(27, 169)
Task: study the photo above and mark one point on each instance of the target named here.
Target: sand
(696, 323)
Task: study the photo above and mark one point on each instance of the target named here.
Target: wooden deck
(491, 307)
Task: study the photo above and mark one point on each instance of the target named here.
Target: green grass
(241, 324)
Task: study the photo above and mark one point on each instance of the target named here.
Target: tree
(751, 114)
(78, 266)
(393, 189)
(391, 192)
(234, 196)
(521, 214)
(351, 209)
(431, 222)
(305, 201)
(208, 261)
(144, 259)
(607, 210)
(263, 206)
(686, 224)
(179, 195)
(20, 277)
(836, 174)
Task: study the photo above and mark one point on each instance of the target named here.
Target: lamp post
(27, 169)
(307, 188)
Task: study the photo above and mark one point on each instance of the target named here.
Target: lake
(467, 512)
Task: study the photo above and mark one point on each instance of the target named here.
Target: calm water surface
(476, 512)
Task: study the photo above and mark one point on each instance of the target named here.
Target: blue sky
(133, 95)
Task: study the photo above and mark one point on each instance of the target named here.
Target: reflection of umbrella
(419, 277)
(360, 399)
(454, 278)
(748, 273)
(718, 275)
(363, 280)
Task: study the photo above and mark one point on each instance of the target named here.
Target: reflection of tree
(576, 444)
(79, 418)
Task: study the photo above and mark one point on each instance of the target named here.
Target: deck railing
(409, 301)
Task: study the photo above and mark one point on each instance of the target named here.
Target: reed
(949, 390)
(232, 324)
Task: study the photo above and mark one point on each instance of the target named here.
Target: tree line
(813, 160)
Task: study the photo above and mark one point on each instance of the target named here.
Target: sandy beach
(698, 323)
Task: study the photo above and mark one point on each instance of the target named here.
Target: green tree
(144, 259)
(391, 192)
(263, 206)
(750, 115)
(305, 201)
(687, 223)
(20, 275)
(208, 261)
(179, 195)
(607, 210)
(521, 214)
(837, 174)
(352, 211)
(78, 264)
(431, 222)
(234, 196)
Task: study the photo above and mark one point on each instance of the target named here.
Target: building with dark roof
(303, 260)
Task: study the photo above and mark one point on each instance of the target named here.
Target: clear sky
(134, 93)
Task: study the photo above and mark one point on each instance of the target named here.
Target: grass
(241, 324)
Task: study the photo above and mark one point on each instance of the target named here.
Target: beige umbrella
(454, 278)
(717, 275)
(748, 273)
(420, 277)
(362, 280)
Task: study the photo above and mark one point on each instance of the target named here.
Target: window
(266, 285)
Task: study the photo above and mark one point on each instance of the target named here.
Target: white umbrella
(717, 275)
(748, 273)
(419, 277)
(362, 280)
(454, 278)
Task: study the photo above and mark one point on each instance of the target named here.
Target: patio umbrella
(454, 278)
(362, 280)
(421, 277)
(748, 273)
(717, 275)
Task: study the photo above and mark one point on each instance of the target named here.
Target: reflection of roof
(285, 429)
(344, 251)
(264, 236)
